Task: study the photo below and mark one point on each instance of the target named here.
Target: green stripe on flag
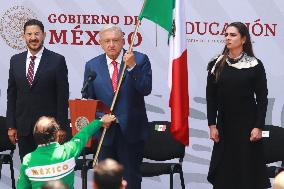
(160, 12)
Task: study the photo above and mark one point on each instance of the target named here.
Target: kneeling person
(52, 161)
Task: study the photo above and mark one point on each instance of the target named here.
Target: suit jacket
(130, 105)
(48, 95)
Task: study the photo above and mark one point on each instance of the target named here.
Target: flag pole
(118, 87)
(156, 28)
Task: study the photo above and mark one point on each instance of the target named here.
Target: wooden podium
(82, 112)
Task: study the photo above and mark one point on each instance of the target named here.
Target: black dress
(238, 100)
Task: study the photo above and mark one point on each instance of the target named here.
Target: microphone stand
(84, 169)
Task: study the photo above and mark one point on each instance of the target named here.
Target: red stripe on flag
(179, 100)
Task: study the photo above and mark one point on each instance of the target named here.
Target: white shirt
(37, 60)
(110, 65)
(118, 60)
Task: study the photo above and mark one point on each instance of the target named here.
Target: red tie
(114, 75)
(30, 75)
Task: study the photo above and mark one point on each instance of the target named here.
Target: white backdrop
(70, 25)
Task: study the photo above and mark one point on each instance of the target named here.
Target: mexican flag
(170, 14)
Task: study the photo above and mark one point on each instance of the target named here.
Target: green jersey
(54, 161)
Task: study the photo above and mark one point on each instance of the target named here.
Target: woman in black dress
(236, 96)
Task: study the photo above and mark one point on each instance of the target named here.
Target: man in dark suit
(37, 86)
(123, 142)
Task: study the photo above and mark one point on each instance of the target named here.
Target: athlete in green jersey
(52, 161)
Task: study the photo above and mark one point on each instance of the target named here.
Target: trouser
(130, 155)
(26, 145)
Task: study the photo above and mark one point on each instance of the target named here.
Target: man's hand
(256, 134)
(129, 59)
(61, 135)
(107, 119)
(214, 133)
(13, 135)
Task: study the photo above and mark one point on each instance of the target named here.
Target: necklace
(238, 57)
(235, 60)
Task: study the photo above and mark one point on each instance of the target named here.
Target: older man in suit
(37, 86)
(124, 142)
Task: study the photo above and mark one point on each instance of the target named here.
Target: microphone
(91, 77)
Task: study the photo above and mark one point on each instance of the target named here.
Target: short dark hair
(108, 174)
(54, 184)
(48, 134)
(34, 22)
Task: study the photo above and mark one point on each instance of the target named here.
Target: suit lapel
(22, 69)
(42, 64)
(121, 68)
(103, 69)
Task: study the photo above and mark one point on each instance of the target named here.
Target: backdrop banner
(72, 30)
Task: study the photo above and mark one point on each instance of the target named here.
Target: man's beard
(35, 49)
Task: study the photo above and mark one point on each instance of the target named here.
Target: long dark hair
(247, 47)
